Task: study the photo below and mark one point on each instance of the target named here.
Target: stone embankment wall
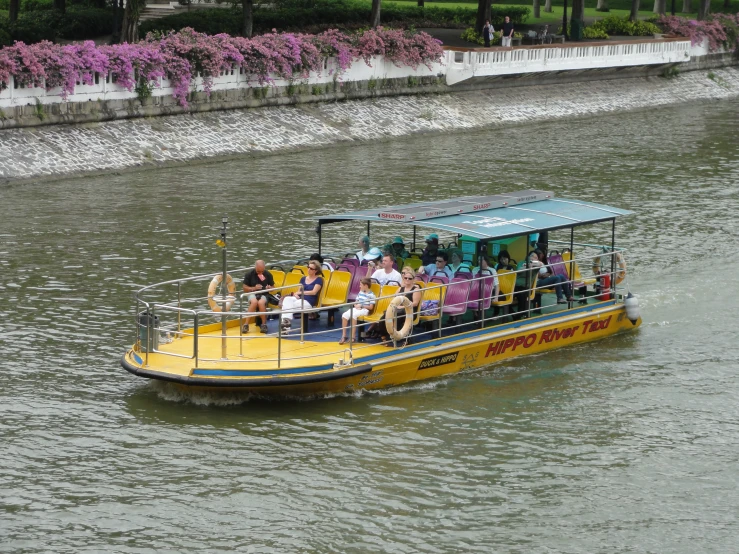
(62, 150)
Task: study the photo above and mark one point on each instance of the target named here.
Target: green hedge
(77, 23)
(342, 14)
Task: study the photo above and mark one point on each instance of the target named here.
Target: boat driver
(256, 280)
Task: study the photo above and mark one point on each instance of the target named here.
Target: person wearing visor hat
(428, 256)
(397, 249)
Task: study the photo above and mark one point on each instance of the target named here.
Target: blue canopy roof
(491, 217)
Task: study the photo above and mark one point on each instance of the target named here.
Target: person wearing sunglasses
(308, 298)
(439, 267)
(410, 289)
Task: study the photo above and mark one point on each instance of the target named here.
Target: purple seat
(422, 277)
(457, 294)
(463, 274)
(487, 294)
(557, 265)
(349, 268)
(354, 287)
(439, 279)
(350, 261)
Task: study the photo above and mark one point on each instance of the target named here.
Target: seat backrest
(487, 293)
(464, 273)
(533, 286)
(376, 288)
(566, 257)
(433, 292)
(302, 269)
(413, 262)
(422, 277)
(439, 279)
(557, 265)
(457, 294)
(383, 290)
(354, 287)
(292, 280)
(349, 268)
(350, 261)
(337, 288)
(506, 284)
(278, 276)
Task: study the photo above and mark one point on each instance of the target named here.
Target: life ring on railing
(217, 306)
(621, 271)
(390, 315)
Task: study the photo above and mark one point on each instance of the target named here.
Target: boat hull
(392, 367)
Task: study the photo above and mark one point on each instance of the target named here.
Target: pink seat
(457, 294)
(354, 287)
(349, 261)
(439, 279)
(422, 277)
(487, 294)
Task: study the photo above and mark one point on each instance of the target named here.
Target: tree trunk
(13, 10)
(537, 9)
(483, 13)
(602, 6)
(704, 8)
(375, 14)
(60, 5)
(634, 10)
(727, 6)
(659, 7)
(548, 6)
(578, 10)
(130, 25)
(247, 29)
(420, 3)
(564, 21)
(687, 6)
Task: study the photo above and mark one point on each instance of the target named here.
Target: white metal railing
(462, 66)
(103, 88)
(598, 256)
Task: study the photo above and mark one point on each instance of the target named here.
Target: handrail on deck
(150, 306)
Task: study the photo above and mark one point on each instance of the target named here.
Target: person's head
(365, 283)
(398, 244)
(484, 262)
(432, 242)
(314, 268)
(408, 275)
(364, 243)
(540, 254)
(487, 22)
(441, 260)
(507, 19)
(373, 256)
(456, 258)
(317, 257)
(387, 261)
(504, 257)
(533, 256)
(259, 266)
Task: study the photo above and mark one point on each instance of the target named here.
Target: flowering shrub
(182, 56)
(720, 29)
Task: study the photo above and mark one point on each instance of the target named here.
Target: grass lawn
(555, 16)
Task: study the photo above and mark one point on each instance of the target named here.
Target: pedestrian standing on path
(487, 33)
(507, 32)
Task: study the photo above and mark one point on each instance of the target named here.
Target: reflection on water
(627, 442)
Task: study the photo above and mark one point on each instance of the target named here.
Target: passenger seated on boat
(311, 285)
(439, 267)
(428, 256)
(364, 247)
(397, 249)
(461, 264)
(503, 261)
(374, 256)
(547, 278)
(256, 280)
(412, 291)
(385, 273)
(484, 270)
(364, 304)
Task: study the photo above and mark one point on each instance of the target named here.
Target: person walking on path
(487, 33)
(507, 32)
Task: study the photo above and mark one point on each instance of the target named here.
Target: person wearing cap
(397, 249)
(373, 256)
(385, 273)
(364, 246)
(428, 256)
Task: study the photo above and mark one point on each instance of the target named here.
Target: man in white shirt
(385, 274)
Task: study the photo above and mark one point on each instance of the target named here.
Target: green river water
(630, 444)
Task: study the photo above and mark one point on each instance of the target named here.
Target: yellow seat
(433, 292)
(302, 269)
(336, 290)
(382, 304)
(507, 284)
(577, 280)
(292, 282)
(414, 263)
(278, 276)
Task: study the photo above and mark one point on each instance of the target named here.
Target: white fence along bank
(455, 67)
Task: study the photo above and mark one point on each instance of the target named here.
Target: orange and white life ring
(390, 315)
(216, 303)
(621, 271)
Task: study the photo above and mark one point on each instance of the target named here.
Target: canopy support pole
(613, 257)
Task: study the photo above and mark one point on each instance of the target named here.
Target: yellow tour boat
(197, 340)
